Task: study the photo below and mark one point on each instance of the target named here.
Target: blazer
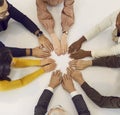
(110, 61)
(100, 100)
(42, 105)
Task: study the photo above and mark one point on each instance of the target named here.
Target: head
(5, 63)
(118, 22)
(58, 110)
(3, 9)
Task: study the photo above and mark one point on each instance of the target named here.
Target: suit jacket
(101, 101)
(42, 105)
(110, 61)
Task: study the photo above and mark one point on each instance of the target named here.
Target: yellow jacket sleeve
(9, 85)
(22, 62)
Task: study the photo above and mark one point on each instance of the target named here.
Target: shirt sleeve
(101, 101)
(10, 85)
(114, 50)
(17, 52)
(43, 102)
(44, 16)
(110, 61)
(80, 105)
(23, 19)
(22, 62)
(67, 16)
(104, 24)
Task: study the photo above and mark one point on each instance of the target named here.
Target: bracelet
(30, 52)
(39, 34)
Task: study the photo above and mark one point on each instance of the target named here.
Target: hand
(67, 83)
(40, 53)
(64, 45)
(56, 44)
(80, 54)
(49, 67)
(45, 43)
(46, 61)
(80, 64)
(76, 75)
(56, 79)
(76, 45)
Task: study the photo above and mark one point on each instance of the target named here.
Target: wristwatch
(39, 34)
(65, 32)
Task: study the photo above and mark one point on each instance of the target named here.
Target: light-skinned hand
(56, 44)
(46, 61)
(45, 43)
(67, 83)
(64, 45)
(80, 64)
(49, 67)
(56, 79)
(40, 53)
(76, 75)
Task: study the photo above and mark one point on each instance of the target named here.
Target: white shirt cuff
(50, 89)
(74, 93)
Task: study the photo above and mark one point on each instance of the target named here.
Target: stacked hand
(80, 64)
(45, 43)
(48, 64)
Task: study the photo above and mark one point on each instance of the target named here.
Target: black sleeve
(42, 105)
(23, 19)
(17, 52)
(80, 105)
(101, 101)
(110, 61)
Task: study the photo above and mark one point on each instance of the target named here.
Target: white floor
(106, 80)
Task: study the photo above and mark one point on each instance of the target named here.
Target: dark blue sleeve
(17, 52)
(23, 19)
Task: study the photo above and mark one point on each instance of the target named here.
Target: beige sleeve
(44, 16)
(114, 50)
(104, 24)
(67, 16)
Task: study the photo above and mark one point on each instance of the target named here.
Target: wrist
(52, 86)
(82, 39)
(38, 33)
(81, 82)
(65, 32)
(89, 63)
(72, 90)
(29, 52)
(88, 53)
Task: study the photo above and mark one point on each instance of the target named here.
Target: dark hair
(1, 2)
(5, 63)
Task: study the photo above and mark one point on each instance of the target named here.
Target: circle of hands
(60, 48)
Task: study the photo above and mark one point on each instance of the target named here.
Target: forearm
(23, 19)
(22, 62)
(114, 50)
(44, 16)
(80, 105)
(10, 85)
(17, 52)
(42, 105)
(67, 16)
(97, 98)
(104, 24)
(111, 61)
